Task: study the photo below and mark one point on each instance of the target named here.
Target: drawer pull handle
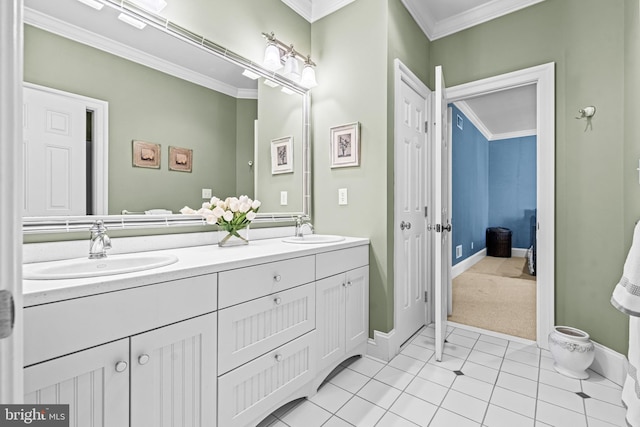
(278, 357)
(143, 359)
(344, 285)
(121, 366)
(349, 283)
(277, 277)
(277, 300)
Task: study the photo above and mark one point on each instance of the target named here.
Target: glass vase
(233, 237)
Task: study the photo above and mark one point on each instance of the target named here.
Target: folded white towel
(626, 295)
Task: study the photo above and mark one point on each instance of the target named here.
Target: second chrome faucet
(100, 242)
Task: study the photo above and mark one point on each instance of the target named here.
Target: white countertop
(192, 261)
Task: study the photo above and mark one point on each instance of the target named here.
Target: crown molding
(512, 135)
(475, 120)
(313, 10)
(80, 35)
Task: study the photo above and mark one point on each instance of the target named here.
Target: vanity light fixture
(278, 52)
(93, 3)
(131, 21)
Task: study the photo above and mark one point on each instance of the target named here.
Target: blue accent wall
(512, 187)
(493, 185)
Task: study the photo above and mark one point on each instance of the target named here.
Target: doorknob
(446, 228)
(405, 225)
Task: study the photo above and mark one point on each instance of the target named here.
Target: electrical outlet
(206, 193)
(342, 196)
(283, 198)
(458, 251)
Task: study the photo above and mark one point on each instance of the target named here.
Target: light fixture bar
(288, 49)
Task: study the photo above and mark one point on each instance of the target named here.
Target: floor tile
(380, 394)
(517, 384)
(360, 413)
(394, 377)
(546, 364)
(520, 369)
(560, 397)
(487, 347)
(594, 422)
(558, 380)
(428, 332)
(414, 409)
(267, 422)
(605, 411)
(456, 338)
(407, 364)
(601, 392)
(559, 417)
(516, 402)
(417, 352)
(366, 366)
(427, 390)
(485, 359)
(331, 397)
(349, 380)
(480, 372)
(336, 422)
(436, 374)
(284, 409)
(596, 378)
(494, 340)
(465, 405)
(392, 420)
(500, 417)
(473, 387)
(444, 418)
(466, 333)
(529, 348)
(523, 356)
(448, 362)
(424, 341)
(456, 350)
(307, 414)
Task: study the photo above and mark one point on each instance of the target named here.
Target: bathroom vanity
(222, 337)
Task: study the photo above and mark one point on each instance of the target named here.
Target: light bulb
(308, 78)
(291, 68)
(272, 57)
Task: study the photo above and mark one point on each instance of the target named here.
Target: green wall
(631, 153)
(145, 105)
(585, 38)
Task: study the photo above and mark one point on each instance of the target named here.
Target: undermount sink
(85, 267)
(313, 239)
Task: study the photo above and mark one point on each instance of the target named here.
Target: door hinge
(426, 127)
(426, 211)
(426, 296)
(7, 314)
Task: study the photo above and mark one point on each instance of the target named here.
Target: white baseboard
(383, 345)
(610, 364)
(518, 252)
(463, 266)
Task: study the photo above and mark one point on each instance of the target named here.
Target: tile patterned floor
(483, 381)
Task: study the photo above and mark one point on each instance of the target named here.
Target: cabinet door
(330, 319)
(357, 307)
(97, 394)
(173, 374)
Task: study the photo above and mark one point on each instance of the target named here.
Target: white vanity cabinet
(145, 377)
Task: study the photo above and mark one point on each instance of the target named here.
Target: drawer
(52, 330)
(253, 328)
(331, 263)
(244, 284)
(247, 392)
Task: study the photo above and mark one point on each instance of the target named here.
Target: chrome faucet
(300, 223)
(100, 242)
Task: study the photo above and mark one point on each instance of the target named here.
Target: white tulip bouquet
(231, 215)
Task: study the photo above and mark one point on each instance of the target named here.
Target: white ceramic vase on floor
(572, 351)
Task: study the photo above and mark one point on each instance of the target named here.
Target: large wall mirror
(162, 114)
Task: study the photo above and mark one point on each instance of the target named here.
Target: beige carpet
(497, 294)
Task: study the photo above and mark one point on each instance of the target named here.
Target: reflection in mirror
(227, 122)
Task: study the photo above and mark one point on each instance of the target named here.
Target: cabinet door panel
(330, 319)
(357, 307)
(251, 329)
(97, 395)
(173, 374)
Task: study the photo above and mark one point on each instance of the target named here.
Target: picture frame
(146, 154)
(345, 145)
(180, 159)
(282, 155)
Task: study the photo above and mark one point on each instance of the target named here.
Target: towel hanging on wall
(626, 298)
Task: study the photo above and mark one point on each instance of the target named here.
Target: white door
(54, 154)
(410, 239)
(442, 252)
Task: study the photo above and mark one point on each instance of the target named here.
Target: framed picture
(345, 145)
(282, 155)
(146, 155)
(180, 159)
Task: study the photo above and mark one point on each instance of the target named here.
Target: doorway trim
(100, 152)
(543, 76)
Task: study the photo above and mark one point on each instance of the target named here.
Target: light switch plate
(206, 193)
(342, 196)
(283, 198)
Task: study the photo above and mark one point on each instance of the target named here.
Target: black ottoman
(499, 242)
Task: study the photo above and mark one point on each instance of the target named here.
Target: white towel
(626, 298)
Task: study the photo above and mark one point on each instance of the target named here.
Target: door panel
(357, 307)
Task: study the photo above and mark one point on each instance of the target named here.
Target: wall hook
(587, 113)
(250, 163)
